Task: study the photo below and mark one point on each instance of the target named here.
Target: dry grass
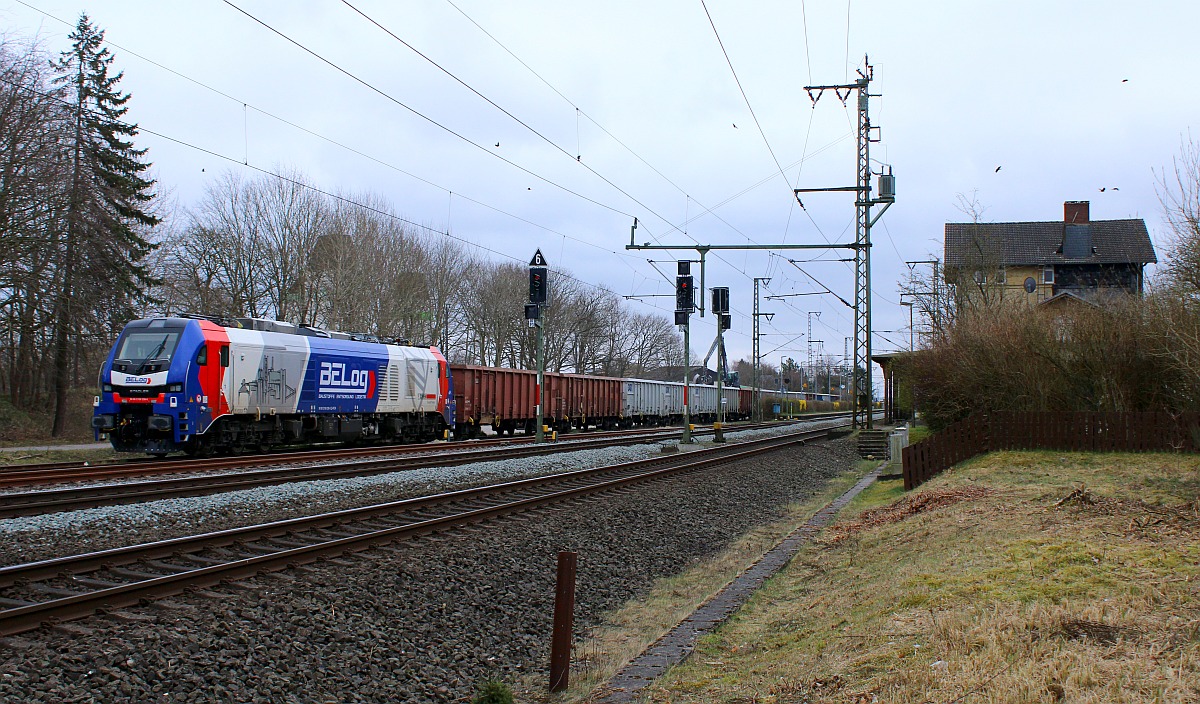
(626, 633)
(32, 426)
(1019, 577)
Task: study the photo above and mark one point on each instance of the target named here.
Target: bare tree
(290, 220)
(1179, 194)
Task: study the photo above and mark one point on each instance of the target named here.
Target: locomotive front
(145, 399)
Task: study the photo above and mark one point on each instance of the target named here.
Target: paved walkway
(45, 448)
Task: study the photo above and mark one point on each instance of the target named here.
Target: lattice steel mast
(860, 384)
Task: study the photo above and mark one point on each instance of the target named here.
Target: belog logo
(336, 379)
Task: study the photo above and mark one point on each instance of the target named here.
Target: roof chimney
(1075, 212)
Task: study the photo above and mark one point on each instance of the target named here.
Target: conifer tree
(102, 243)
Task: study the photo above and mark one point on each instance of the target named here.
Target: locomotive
(199, 384)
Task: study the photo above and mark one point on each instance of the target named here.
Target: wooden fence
(1034, 430)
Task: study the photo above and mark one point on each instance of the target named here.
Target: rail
(111, 579)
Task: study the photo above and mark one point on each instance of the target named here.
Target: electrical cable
(493, 103)
(706, 209)
(341, 145)
(745, 97)
(425, 117)
(307, 186)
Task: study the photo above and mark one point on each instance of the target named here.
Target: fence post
(564, 622)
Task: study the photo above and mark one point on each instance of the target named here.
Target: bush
(1130, 355)
(493, 692)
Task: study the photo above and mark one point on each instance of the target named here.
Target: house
(1076, 258)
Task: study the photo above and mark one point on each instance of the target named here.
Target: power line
(302, 184)
(746, 98)
(338, 144)
(707, 210)
(423, 116)
(578, 158)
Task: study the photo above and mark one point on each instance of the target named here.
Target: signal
(720, 299)
(685, 299)
(539, 285)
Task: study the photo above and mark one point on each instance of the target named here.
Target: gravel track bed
(32, 538)
(421, 621)
(438, 448)
(403, 452)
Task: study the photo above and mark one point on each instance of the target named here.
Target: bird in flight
(998, 169)
(734, 125)
(1124, 80)
(1101, 190)
(497, 144)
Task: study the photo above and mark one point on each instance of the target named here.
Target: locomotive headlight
(174, 388)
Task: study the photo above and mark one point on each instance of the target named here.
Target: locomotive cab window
(148, 346)
(202, 355)
(225, 355)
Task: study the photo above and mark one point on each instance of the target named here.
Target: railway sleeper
(134, 574)
(168, 567)
(97, 583)
(54, 591)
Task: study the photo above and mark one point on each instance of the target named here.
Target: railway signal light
(726, 321)
(720, 299)
(539, 285)
(685, 299)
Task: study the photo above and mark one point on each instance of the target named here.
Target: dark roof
(1040, 243)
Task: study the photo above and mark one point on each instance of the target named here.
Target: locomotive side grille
(393, 383)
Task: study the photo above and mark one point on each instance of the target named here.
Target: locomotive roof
(264, 325)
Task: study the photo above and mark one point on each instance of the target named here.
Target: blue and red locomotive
(201, 385)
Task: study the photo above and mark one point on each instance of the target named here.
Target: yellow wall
(1014, 286)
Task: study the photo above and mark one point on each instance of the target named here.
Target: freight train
(203, 385)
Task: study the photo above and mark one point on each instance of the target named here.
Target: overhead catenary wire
(625, 256)
(493, 103)
(245, 161)
(706, 210)
(423, 116)
(745, 97)
(308, 186)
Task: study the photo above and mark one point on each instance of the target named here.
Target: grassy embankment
(22, 427)
(1017, 577)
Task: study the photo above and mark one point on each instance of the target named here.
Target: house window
(1048, 275)
(1001, 278)
(980, 277)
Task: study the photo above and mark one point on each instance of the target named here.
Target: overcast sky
(630, 109)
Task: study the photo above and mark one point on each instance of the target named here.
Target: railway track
(66, 472)
(67, 588)
(43, 501)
